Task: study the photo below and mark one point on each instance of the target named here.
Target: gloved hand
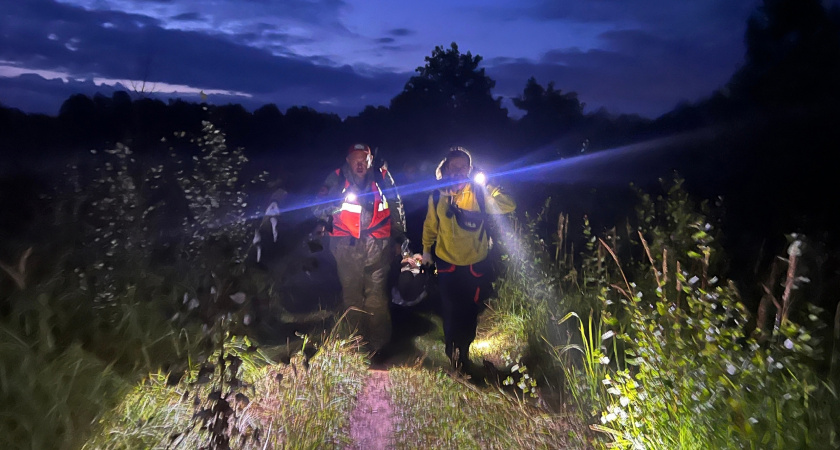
(427, 258)
(492, 189)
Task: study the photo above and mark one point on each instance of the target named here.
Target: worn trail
(371, 423)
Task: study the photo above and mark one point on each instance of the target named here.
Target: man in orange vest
(366, 225)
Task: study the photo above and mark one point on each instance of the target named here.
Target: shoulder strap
(479, 198)
(342, 180)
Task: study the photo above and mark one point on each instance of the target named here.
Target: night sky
(629, 56)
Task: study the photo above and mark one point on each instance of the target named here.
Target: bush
(117, 283)
(666, 358)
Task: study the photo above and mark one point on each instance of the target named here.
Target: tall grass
(50, 398)
(695, 377)
(98, 286)
(64, 359)
(592, 363)
(436, 411)
(521, 309)
(700, 381)
(304, 404)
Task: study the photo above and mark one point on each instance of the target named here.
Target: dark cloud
(137, 49)
(188, 17)
(289, 39)
(636, 72)
(652, 14)
(658, 52)
(173, 56)
(401, 32)
(716, 22)
(314, 11)
(35, 94)
(273, 42)
(393, 48)
(264, 27)
(389, 45)
(322, 12)
(39, 95)
(36, 33)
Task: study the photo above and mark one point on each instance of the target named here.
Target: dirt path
(371, 424)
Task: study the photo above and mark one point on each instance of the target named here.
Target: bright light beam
(565, 170)
(571, 169)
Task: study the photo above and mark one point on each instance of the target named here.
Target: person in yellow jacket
(455, 229)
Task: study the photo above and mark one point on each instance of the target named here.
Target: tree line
(763, 141)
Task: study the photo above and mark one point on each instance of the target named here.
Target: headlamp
(480, 178)
(350, 197)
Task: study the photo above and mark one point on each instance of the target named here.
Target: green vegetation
(438, 411)
(101, 296)
(659, 352)
(115, 335)
(302, 404)
(125, 298)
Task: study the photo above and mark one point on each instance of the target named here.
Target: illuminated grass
(290, 406)
(310, 409)
(499, 333)
(433, 410)
(431, 344)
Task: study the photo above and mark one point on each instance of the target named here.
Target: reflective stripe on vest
(347, 220)
(351, 208)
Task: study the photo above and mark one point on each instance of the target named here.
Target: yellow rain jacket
(456, 226)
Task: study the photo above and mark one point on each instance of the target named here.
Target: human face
(458, 169)
(359, 163)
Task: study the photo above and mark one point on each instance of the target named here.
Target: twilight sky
(630, 56)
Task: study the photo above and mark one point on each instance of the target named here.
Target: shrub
(680, 366)
(111, 288)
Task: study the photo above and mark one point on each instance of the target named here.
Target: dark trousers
(363, 266)
(463, 290)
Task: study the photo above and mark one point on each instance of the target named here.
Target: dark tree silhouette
(449, 101)
(78, 117)
(793, 55)
(268, 123)
(373, 124)
(548, 112)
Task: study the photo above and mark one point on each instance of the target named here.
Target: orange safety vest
(347, 220)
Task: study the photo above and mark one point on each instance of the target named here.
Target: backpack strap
(479, 198)
(342, 180)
